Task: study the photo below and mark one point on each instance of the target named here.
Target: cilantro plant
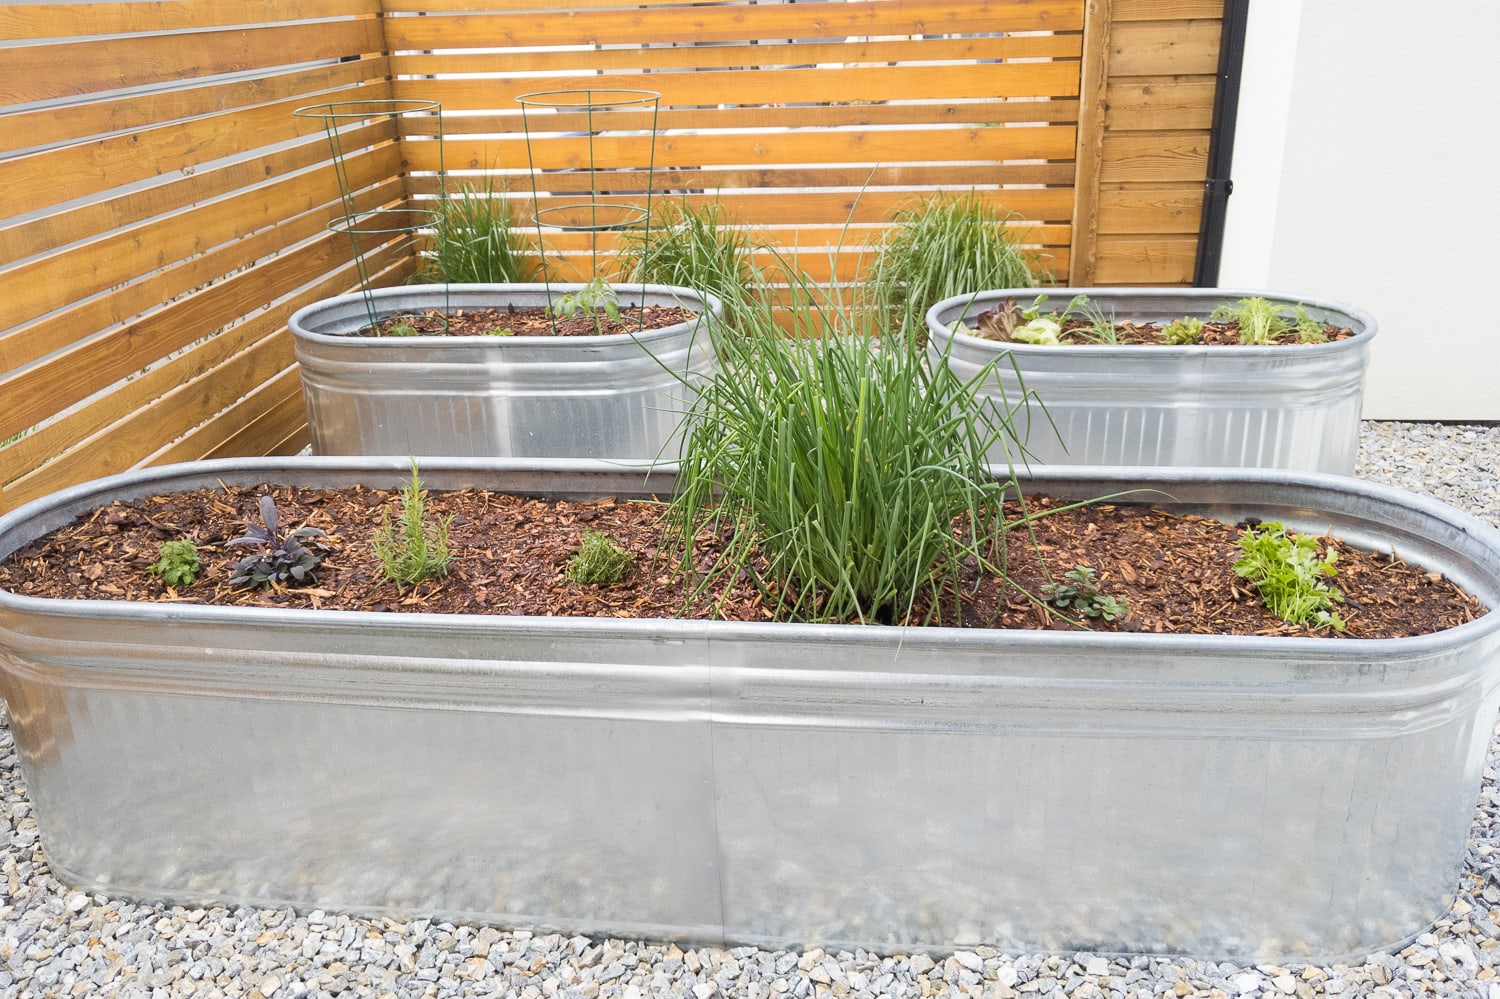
(1080, 594)
(283, 560)
(409, 550)
(176, 563)
(1289, 575)
(599, 561)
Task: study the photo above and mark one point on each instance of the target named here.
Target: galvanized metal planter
(1292, 407)
(1249, 798)
(619, 396)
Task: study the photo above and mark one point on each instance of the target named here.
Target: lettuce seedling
(1180, 332)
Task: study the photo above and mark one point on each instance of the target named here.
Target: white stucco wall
(1367, 169)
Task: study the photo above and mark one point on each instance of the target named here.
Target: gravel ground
(57, 942)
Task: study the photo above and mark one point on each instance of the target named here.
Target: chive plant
(837, 463)
(474, 242)
(694, 247)
(947, 245)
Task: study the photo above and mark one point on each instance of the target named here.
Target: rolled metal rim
(701, 302)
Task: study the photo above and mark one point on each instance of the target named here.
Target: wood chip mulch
(1213, 334)
(509, 552)
(533, 322)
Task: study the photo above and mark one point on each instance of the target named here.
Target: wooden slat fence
(164, 210)
(810, 121)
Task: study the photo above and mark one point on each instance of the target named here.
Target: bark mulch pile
(1175, 571)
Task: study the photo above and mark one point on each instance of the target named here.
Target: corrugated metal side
(620, 396)
(1292, 407)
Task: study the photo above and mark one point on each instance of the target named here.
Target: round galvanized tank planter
(1248, 798)
(619, 396)
(1293, 407)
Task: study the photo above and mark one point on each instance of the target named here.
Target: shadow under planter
(1249, 798)
(1293, 406)
(618, 396)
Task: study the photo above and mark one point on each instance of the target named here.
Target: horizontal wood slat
(1157, 48)
(81, 122)
(74, 368)
(765, 52)
(53, 281)
(23, 236)
(96, 65)
(57, 20)
(727, 23)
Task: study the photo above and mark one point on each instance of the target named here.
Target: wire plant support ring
(380, 223)
(617, 113)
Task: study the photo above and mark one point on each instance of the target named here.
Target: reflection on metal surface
(620, 396)
(1294, 407)
(1259, 799)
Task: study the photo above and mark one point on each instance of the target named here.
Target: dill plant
(947, 245)
(837, 462)
(409, 549)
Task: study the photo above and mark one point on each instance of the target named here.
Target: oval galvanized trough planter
(619, 396)
(1253, 798)
(1294, 407)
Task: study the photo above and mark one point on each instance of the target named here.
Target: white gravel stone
(57, 941)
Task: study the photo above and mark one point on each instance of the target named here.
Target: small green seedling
(592, 299)
(409, 550)
(1080, 595)
(1260, 320)
(500, 331)
(1101, 324)
(1309, 329)
(1180, 332)
(401, 329)
(1029, 325)
(283, 560)
(599, 561)
(1288, 574)
(176, 563)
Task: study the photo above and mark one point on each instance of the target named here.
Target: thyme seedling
(176, 563)
(598, 562)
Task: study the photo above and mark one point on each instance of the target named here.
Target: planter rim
(1275, 650)
(700, 301)
(940, 329)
